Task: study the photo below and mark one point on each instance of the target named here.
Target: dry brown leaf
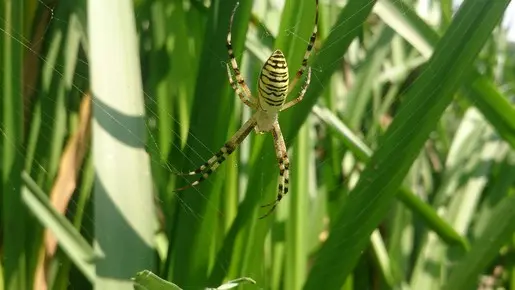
(69, 167)
(65, 184)
(40, 282)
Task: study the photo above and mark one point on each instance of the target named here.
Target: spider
(273, 88)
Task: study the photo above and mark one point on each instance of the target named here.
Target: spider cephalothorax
(273, 88)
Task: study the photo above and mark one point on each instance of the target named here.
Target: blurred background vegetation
(402, 151)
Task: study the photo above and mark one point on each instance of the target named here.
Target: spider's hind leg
(284, 168)
(283, 187)
(204, 166)
(209, 167)
(212, 164)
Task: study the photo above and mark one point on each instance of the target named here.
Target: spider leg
(214, 162)
(311, 43)
(301, 93)
(284, 168)
(234, 63)
(247, 100)
(208, 172)
(207, 164)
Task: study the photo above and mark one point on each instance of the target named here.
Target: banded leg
(311, 43)
(207, 164)
(234, 64)
(301, 93)
(284, 168)
(214, 162)
(247, 100)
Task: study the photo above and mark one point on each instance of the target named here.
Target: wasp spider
(273, 88)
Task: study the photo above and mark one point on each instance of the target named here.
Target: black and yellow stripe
(273, 82)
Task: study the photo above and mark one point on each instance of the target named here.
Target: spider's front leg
(301, 93)
(284, 168)
(311, 44)
(243, 91)
(247, 100)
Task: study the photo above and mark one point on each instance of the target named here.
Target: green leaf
(122, 182)
(14, 214)
(425, 103)
(465, 274)
(70, 240)
(480, 90)
(146, 280)
(410, 200)
(473, 153)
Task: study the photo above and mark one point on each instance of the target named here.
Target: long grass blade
(70, 240)
(121, 164)
(14, 213)
(485, 248)
(478, 88)
(428, 97)
(408, 198)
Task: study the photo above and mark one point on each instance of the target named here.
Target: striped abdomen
(273, 82)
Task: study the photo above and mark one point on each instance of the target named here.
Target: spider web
(199, 153)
